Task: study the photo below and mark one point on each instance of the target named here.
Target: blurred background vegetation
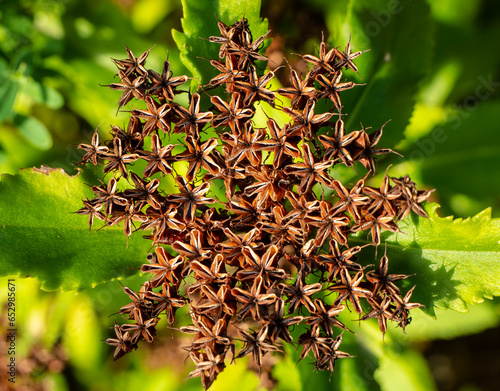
(54, 59)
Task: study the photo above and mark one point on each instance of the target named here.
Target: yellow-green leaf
(42, 237)
(453, 262)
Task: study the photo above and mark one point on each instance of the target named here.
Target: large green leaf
(200, 21)
(41, 237)
(452, 262)
(400, 38)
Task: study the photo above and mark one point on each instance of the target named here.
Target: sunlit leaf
(82, 335)
(452, 262)
(148, 13)
(40, 236)
(287, 375)
(237, 373)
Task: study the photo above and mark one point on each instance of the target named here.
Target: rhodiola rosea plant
(422, 247)
(268, 258)
(275, 255)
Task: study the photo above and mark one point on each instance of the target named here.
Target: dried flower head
(263, 263)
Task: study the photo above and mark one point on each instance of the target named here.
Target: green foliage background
(433, 69)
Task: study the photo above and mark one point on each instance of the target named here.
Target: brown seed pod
(250, 225)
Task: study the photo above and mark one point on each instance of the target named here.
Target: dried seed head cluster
(265, 262)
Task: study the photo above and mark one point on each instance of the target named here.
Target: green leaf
(457, 160)
(452, 262)
(97, 105)
(355, 373)
(461, 33)
(451, 324)
(34, 132)
(301, 371)
(384, 364)
(408, 369)
(400, 38)
(81, 336)
(287, 375)
(147, 14)
(41, 93)
(42, 237)
(350, 375)
(200, 21)
(237, 373)
(8, 93)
